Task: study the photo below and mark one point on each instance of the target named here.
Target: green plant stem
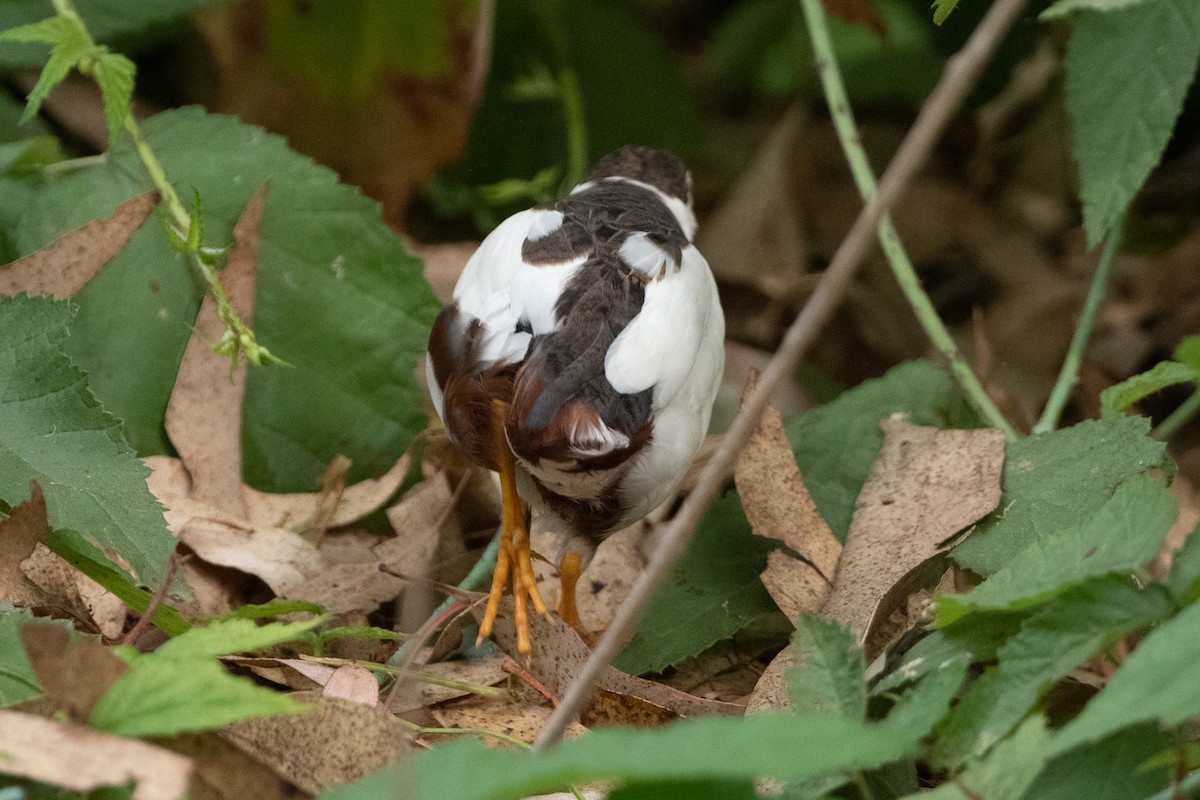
(889, 240)
(1178, 418)
(1069, 374)
(551, 20)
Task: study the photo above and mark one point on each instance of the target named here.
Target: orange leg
(568, 575)
(515, 556)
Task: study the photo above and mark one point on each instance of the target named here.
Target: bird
(579, 358)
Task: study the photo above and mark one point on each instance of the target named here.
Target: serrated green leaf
(1003, 774)
(1125, 533)
(922, 707)
(164, 697)
(1053, 480)
(1128, 71)
(338, 297)
(273, 608)
(70, 45)
(115, 73)
(1188, 352)
(1184, 580)
(1053, 641)
(230, 636)
(828, 679)
(836, 444)
(1157, 682)
(53, 430)
(1111, 769)
(52, 31)
(687, 790)
(1116, 400)
(17, 679)
(783, 746)
(713, 592)
(942, 10)
(1064, 7)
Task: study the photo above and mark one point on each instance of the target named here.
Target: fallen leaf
(778, 506)
(223, 772)
(925, 486)
(73, 675)
(336, 742)
(65, 266)
(771, 692)
(346, 587)
(282, 559)
(20, 533)
(204, 414)
(411, 694)
(79, 759)
(523, 721)
(354, 683)
(608, 579)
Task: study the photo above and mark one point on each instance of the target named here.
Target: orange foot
(568, 575)
(515, 556)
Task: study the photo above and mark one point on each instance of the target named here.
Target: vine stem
(962, 69)
(1069, 374)
(1178, 418)
(902, 267)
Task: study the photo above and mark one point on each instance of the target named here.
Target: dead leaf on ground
(336, 742)
(607, 582)
(770, 694)
(523, 721)
(223, 772)
(347, 587)
(204, 415)
(73, 675)
(778, 506)
(925, 486)
(79, 759)
(281, 559)
(354, 683)
(67, 264)
(413, 693)
(20, 533)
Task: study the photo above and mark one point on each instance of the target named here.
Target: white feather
(535, 290)
(544, 223)
(642, 255)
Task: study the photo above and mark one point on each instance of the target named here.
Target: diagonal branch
(960, 74)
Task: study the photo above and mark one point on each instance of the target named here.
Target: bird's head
(658, 169)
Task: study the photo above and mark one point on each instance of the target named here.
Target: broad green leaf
(115, 73)
(1064, 7)
(272, 608)
(17, 679)
(1156, 683)
(787, 747)
(1116, 400)
(836, 444)
(230, 636)
(687, 790)
(1053, 641)
(338, 297)
(1111, 769)
(943, 9)
(828, 679)
(1128, 71)
(1188, 352)
(920, 708)
(1003, 774)
(70, 44)
(53, 430)
(1124, 534)
(1184, 579)
(166, 696)
(713, 592)
(1053, 480)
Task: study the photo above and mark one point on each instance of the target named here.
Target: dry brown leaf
(335, 742)
(204, 415)
(608, 579)
(223, 772)
(280, 558)
(354, 683)
(65, 266)
(523, 721)
(411, 694)
(779, 507)
(65, 589)
(770, 694)
(347, 587)
(80, 759)
(20, 533)
(925, 486)
(294, 673)
(73, 675)
(107, 610)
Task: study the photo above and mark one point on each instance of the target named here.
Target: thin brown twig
(962, 69)
(513, 668)
(156, 600)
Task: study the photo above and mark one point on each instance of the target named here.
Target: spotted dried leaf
(73, 674)
(20, 533)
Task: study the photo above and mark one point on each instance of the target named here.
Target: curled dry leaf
(204, 415)
(925, 486)
(779, 507)
(65, 266)
(20, 533)
(770, 693)
(281, 559)
(223, 772)
(79, 759)
(74, 675)
(336, 742)
(354, 683)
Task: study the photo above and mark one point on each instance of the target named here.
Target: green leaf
(919, 709)
(164, 697)
(53, 430)
(231, 636)
(1065, 7)
(836, 444)
(70, 45)
(942, 9)
(115, 73)
(1116, 400)
(1128, 71)
(272, 608)
(1053, 480)
(713, 592)
(338, 297)
(787, 747)
(17, 679)
(1184, 580)
(1111, 769)
(828, 679)
(1124, 534)
(1188, 352)
(1156, 683)
(1003, 774)
(1053, 641)
(687, 790)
